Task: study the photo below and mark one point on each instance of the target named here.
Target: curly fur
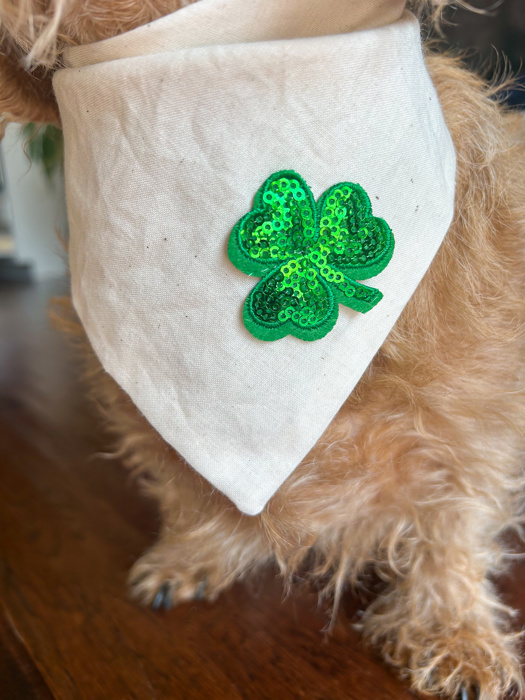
(420, 474)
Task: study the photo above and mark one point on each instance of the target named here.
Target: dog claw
(201, 590)
(465, 695)
(165, 594)
(163, 598)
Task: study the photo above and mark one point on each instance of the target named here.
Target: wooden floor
(72, 523)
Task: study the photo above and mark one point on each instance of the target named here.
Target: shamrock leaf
(308, 255)
(280, 226)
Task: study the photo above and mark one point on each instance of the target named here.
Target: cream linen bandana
(170, 132)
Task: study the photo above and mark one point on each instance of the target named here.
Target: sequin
(309, 256)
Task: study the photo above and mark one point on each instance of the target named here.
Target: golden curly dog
(420, 473)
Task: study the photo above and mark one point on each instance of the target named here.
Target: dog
(420, 474)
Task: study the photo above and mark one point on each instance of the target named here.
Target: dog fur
(420, 475)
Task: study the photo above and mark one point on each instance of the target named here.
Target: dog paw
(465, 668)
(157, 580)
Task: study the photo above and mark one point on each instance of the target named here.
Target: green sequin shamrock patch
(309, 256)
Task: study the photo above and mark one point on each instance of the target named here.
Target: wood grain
(71, 524)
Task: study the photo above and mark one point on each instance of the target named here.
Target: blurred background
(490, 35)
(32, 204)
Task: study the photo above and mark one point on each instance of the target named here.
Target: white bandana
(170, 131)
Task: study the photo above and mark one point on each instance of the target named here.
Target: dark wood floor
(72, 523)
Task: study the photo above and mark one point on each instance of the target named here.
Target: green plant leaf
(44, 146)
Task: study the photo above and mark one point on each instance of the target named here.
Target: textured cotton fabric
(167, 141)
